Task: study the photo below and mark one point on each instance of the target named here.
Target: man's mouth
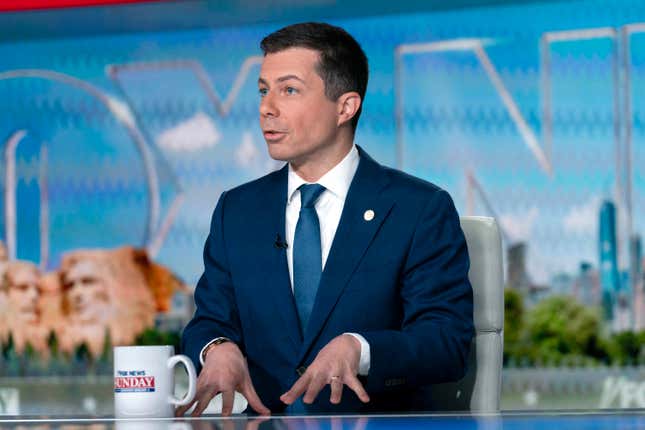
(273, 135)
(79, 305)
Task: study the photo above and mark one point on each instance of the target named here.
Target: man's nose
(74, 290)
(268, 107)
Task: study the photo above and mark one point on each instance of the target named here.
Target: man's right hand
(225, 371)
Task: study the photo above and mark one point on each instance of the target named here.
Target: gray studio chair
(479, 390)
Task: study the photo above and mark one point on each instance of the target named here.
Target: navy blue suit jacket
(400, 280)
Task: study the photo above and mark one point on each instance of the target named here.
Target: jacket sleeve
(433, 342)
(216, 313)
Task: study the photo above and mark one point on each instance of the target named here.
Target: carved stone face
(86, 291)
(21, 282)
(105, 292)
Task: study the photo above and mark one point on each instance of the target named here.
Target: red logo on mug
(133, 382)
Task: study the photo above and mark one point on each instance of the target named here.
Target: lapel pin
(368, 215)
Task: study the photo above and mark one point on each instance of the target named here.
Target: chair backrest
(480, 389)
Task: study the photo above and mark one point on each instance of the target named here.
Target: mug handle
(192, 379)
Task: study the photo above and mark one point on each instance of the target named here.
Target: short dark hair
(343, 64)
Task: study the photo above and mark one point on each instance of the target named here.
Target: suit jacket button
(301, 370)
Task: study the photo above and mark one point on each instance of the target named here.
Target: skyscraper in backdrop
(607, 246)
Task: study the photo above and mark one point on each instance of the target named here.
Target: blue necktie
(307, 253)
(307, 264)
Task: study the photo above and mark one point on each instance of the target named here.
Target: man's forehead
(81, 269)
(298, 63)
(23, 274)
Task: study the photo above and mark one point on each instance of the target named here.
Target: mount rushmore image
(95, 294)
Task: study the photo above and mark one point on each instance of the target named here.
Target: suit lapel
(278, 290)
(352, 238)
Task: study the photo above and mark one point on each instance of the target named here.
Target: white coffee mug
(144, 381)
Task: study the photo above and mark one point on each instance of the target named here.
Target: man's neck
(314, 168)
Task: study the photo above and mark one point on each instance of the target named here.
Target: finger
(336, 390)
(200, 407)
(181, 410)
(352, 382)
(297, 389)
(254, 400)
(227, 402)
(317, 384)
(201, 393)
(202, 403)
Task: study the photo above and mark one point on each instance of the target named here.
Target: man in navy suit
(334, 284)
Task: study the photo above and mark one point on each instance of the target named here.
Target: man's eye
(263, 92)
(291, 90)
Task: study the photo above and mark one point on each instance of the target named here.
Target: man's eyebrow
(288, 77)
(281, 79)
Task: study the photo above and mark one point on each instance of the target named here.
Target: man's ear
(348, 105)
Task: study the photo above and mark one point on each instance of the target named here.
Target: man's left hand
(337, 365)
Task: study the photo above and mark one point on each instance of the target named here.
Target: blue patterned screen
(144, 131)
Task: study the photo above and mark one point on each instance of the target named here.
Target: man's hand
(337, 365)
(225, 371)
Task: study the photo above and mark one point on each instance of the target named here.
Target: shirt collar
(337, 180)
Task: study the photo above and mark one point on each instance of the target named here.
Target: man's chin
(86, 320)
(278, 155)
(28, 317)
(87, 316)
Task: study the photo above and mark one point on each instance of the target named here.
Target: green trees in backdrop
(561, 331)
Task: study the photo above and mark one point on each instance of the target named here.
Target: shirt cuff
(201, 353)
(364, 362)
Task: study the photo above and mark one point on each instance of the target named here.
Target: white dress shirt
(329, 208)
